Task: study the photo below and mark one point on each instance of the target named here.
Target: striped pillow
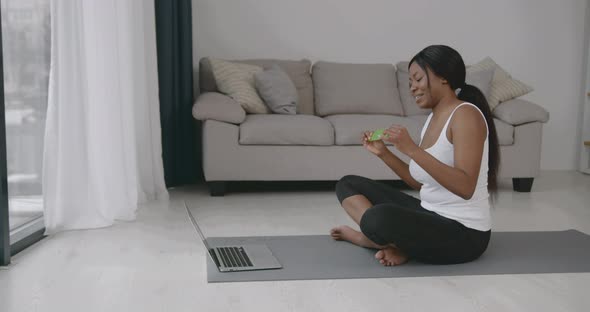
(237, 81)
(503, 87)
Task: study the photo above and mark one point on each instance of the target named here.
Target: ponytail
(472, 94)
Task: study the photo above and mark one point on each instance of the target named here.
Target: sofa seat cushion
(420, 121)
(262, 129)
(349, 129)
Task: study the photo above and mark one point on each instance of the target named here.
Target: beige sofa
(337, 102)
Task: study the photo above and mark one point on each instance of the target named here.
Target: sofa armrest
(518, 111)
(214, 105)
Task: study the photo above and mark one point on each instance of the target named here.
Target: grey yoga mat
(320, 257)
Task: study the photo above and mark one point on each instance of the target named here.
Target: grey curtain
(180, 131)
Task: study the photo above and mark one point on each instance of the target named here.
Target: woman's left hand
(400, 138)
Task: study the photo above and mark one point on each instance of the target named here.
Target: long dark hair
(448, 64)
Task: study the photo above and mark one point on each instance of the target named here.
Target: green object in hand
(377, 135)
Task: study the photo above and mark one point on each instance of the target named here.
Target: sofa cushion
(277, 90)
(237, 81)
(503, 87)
(355, 89)
(420, 121)
(277, 129)
(348, 129)
(407, 100)
(298, 71)
(482, 79)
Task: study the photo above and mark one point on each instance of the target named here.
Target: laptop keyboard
(233, 257)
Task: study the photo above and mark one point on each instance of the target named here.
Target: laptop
(251, 257)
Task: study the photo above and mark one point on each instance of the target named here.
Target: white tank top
(474, 212)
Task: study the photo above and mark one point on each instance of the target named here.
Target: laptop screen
(196, 226)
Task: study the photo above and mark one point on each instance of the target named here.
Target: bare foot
(390, 255)
(345, 232)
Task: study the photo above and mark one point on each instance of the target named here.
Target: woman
(454, 167)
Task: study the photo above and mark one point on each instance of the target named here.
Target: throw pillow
(503, 87)
(482, 79)
(237, 81)
(300, 74)
(277, 90)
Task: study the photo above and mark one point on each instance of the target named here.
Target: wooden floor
(157, 263)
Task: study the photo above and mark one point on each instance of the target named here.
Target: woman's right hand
(376, 147)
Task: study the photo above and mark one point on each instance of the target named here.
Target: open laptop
(238, 258)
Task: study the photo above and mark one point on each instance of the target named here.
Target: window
(26, 39)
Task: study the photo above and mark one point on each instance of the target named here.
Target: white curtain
(103, 152)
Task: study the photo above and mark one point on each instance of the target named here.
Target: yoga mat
(320, 257)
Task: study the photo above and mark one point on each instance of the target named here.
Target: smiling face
(425, 94)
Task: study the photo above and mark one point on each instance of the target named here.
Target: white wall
(538, 41)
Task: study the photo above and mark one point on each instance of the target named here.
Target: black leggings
(423, 235)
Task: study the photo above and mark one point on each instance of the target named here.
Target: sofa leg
(522, 184)
(217, 188)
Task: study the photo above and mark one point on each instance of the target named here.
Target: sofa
(322, 141)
